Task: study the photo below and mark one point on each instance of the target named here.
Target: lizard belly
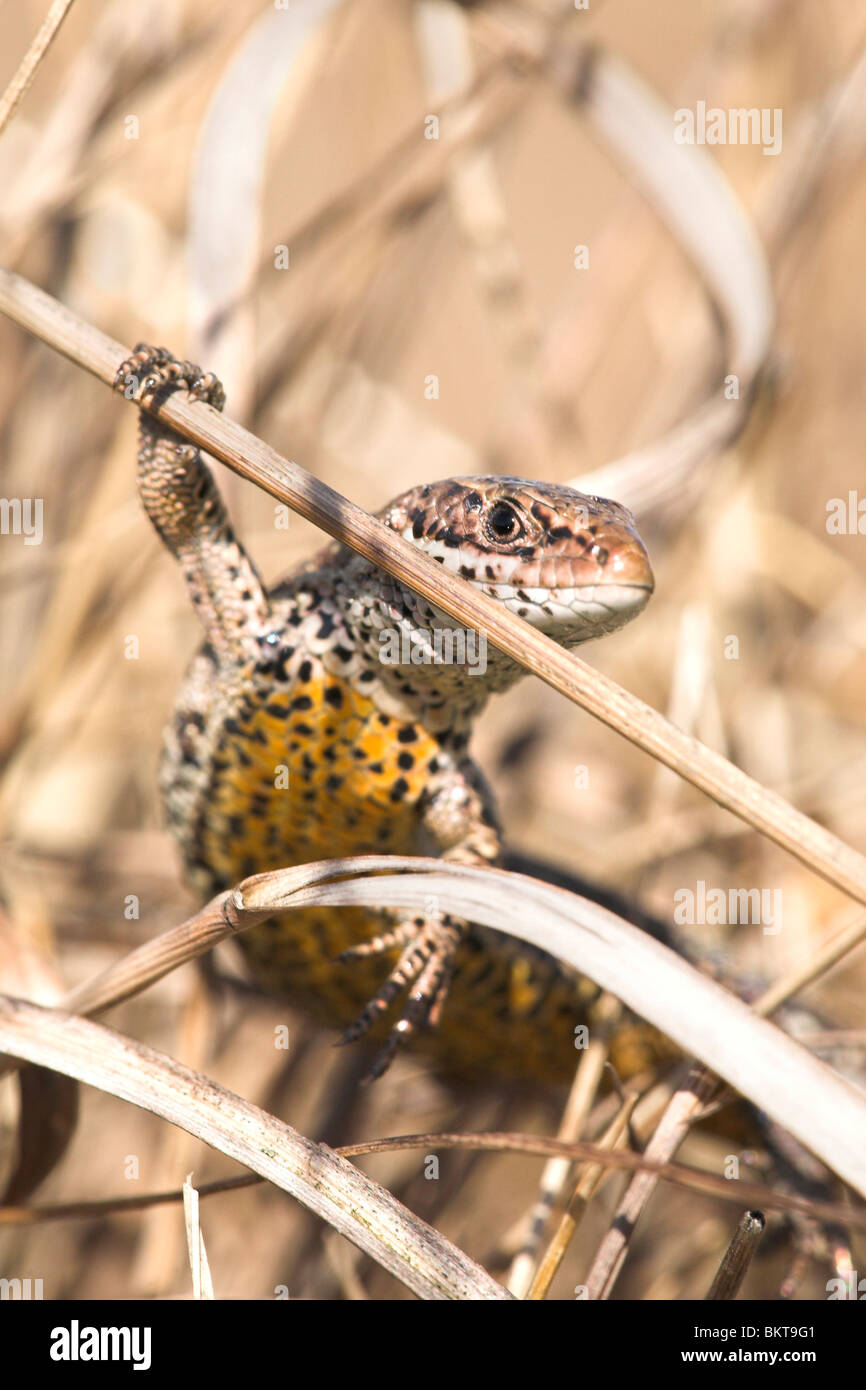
(317, 771)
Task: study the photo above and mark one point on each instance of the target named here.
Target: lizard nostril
(601, 555)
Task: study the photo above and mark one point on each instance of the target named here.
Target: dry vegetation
(411, 258)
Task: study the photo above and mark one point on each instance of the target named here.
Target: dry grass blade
(202, 1281)
(331, 1187)
(228, 184)
(757, 1059)
(17, 88)
(760, 1062)
(688, 190)
(555, 1177)
(571, 1217)
(313, 499)
(738, 1256)
(694, 1179)
(672, 1130)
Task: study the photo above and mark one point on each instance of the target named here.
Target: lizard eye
(503, 523)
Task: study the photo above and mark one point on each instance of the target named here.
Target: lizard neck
(427, 666)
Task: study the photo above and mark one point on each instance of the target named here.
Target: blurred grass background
(543, 370)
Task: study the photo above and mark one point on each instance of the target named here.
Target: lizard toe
(151, 371)
(426, 965)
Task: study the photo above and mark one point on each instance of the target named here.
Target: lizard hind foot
(154, 371)
(425, 967)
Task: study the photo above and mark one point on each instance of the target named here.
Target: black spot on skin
(341, 653)
(406, 761)
(418, 526)
(305, 671)
(526, 552)
(326, 627)
(277, 711)
(522, 594)
(399, 789)
(539, 511)
(522, 612)
(232, 726)
(377, 769)
(334, 782)
(334, 696)
(434, 765)
(467, 571)
(367, 676)
(489, 571)
(473, 502)
(307, 763)
(593, 530)
(385, 720)
(330, 754)
(285, 656)
(302, 702)
(440, 559)
(560, 533)
(408, 734)
(196, 719)
(450, 538)
(303, 729)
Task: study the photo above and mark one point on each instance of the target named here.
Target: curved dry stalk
(738, 1256)
(535, 1145)
(762, 1063)
(27, 69)
(245, 454)
(328, 1185)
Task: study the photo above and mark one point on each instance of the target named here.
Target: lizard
(304, 730)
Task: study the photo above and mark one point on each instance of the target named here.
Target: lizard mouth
(574, 614)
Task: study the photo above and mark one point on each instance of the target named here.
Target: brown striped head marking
(572, 565)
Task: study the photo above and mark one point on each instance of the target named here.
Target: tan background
(327, 361)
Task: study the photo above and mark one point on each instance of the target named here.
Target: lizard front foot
(426, 965)
(153, 371)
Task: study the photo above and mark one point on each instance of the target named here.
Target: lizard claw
(426, 964)
(152, 370)
(378, 945)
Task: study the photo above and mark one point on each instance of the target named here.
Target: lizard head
(572, 565)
